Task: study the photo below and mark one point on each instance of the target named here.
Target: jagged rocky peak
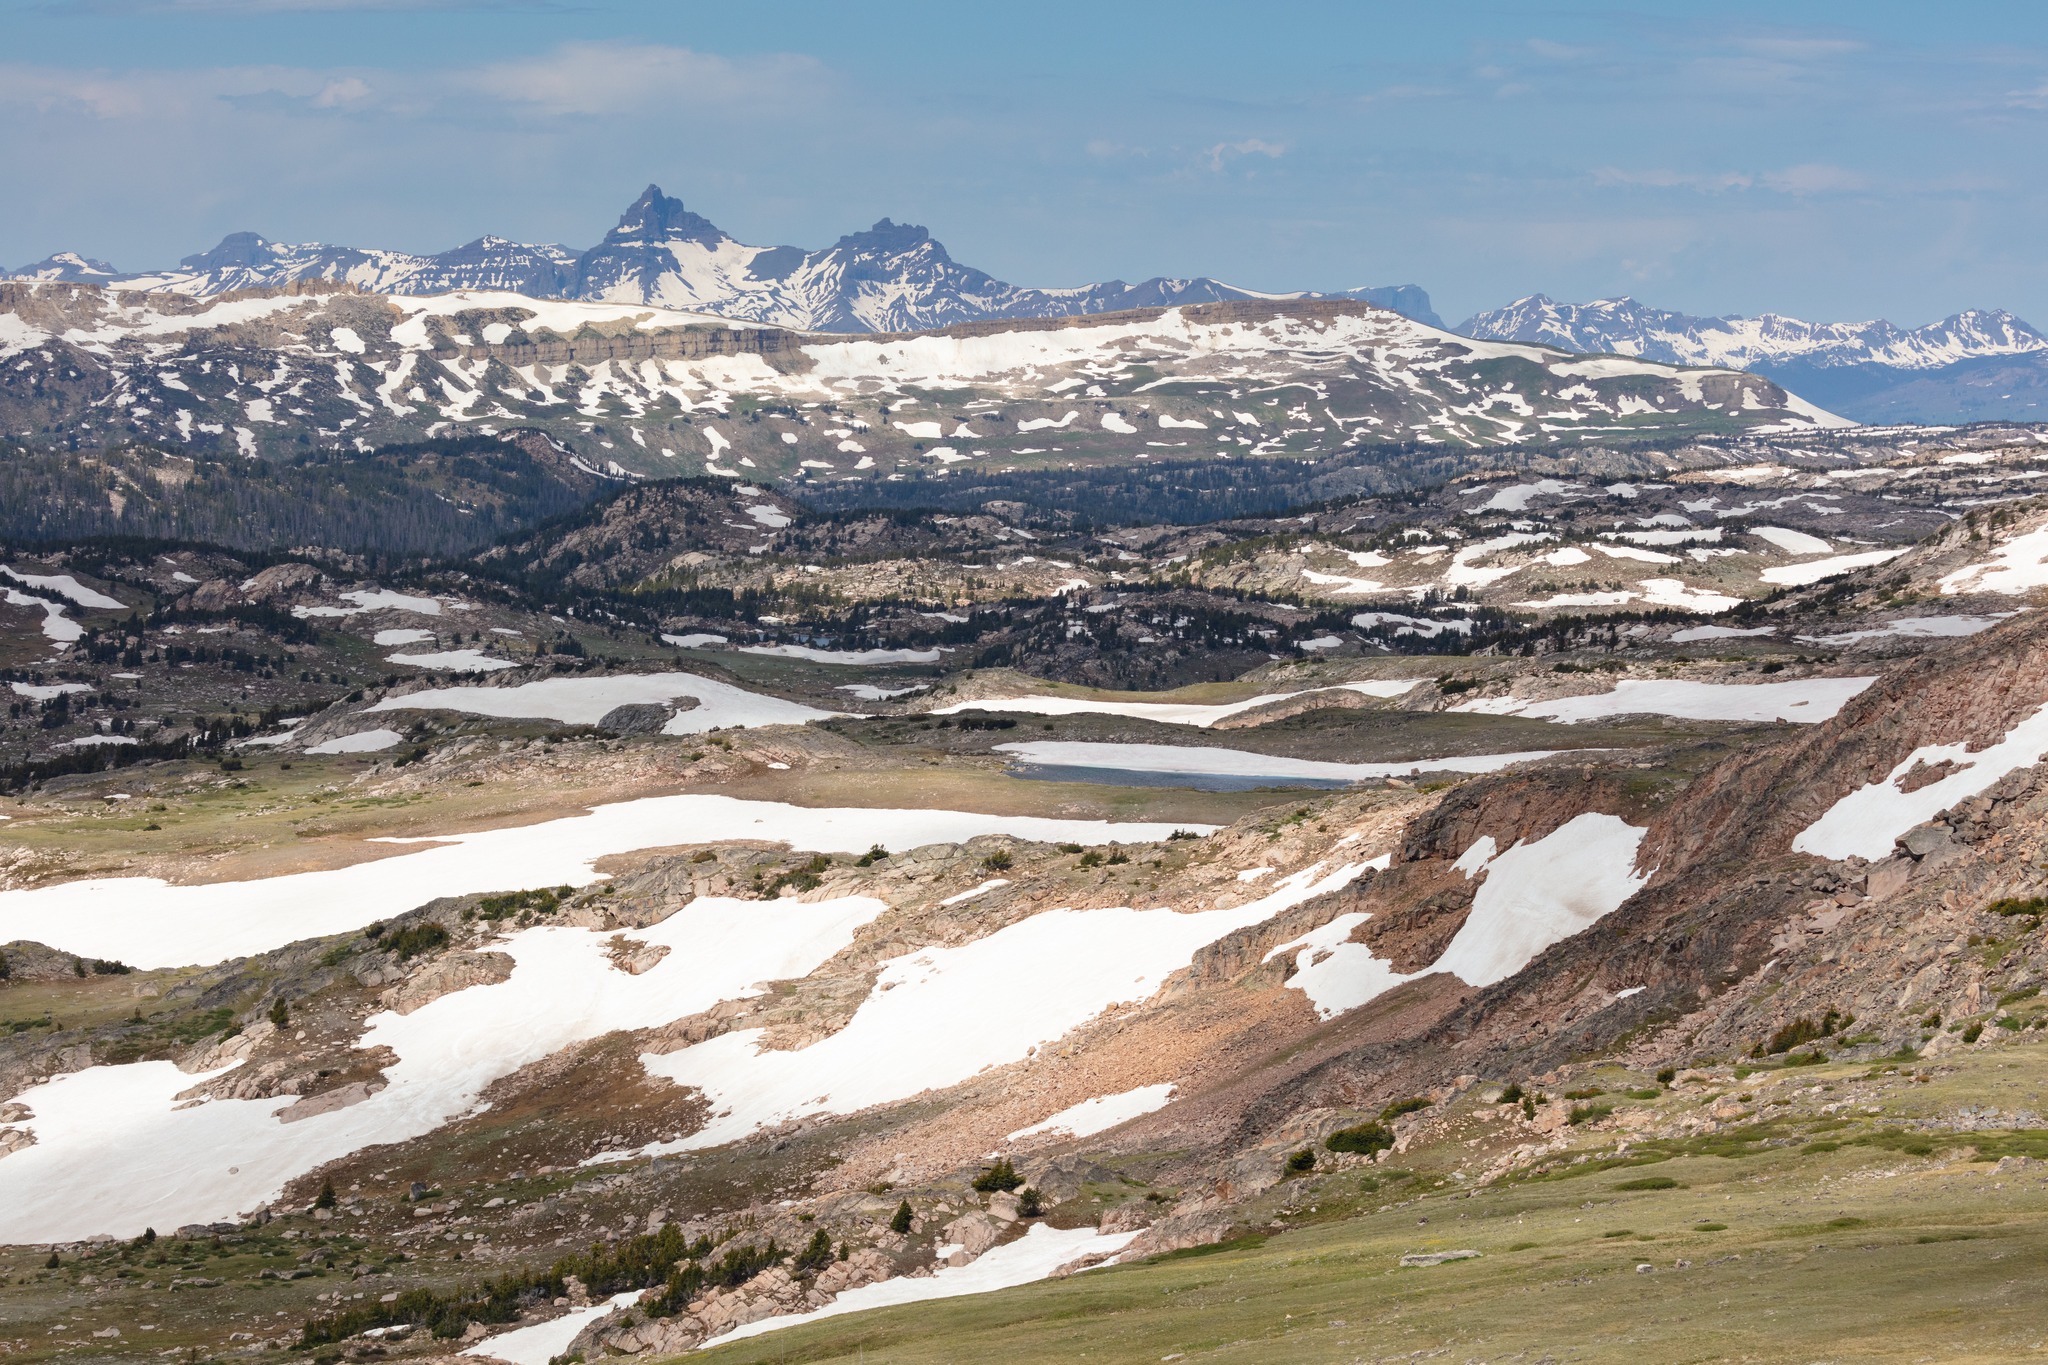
(655, 217)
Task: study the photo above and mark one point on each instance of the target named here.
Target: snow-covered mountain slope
(891, 278)
(651, 390)
(1977, 365)
(1625, 327)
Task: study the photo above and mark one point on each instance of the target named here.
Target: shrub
(1029, 1203)
(1091, 858)
(1710, 1227)
(1301, 1162)
(1973, 1033)
(2010, 906)
(1649, 1182)
(1182, 834)
(415, 939)
(1117, 857)
(998, 1175)
(874, 855)
(1364, 1138)
(1802, 1030)
(325, 1199)
(1589, 1113)
(280, 1013)
(1644, 1094)
(900, 1223)
(105, 967)
(998, 861)
(1667, 1075)
(1511, 1095)
(816, 1255)
(1410, 1105)
(542, 902)
(1585, 1093)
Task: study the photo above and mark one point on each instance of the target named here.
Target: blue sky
(1832, 161)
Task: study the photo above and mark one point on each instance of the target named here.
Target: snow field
(846, 656)
(361, 742)
(1034, 1256)
(1807, 700)
(542, 1342)
(1100, 1114)
(1171, 712)
(1817, 570)
(58, 628)
(2015, 567)
(1865, 823)
(1175, 758)
(938, 1016)
(116, 1151)
(1792, 542)
(1914, 627)
(149, 923)
(453, 661)
(586, 701)
(1541, 893)
(67, 587)
(1534, 895)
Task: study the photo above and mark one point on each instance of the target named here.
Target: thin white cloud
(614, 77)
(1223, 153)
(1812, 178)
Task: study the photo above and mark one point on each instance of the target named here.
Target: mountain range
(1979, 364)
(1976, 365)
(894, 277)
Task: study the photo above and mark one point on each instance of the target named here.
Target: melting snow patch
(116, 1149)
(1034, 1256)
(695, 641)
(1538, 894)
(941, 1015)
(1099, 1115)
(2017, 566)
(1915, 627)
(846, 656)
(870, 692)
(586, 701)
(65, 586)
(402, 637)
(46, 691)
(1695, 633)
(1790, 541)
(1198, 761)
(1816, 570)
(151, 923)
(1809, 700)
(453, 661)
(542, 1342)
(971, 892)
(57, 628)
(361, 742)
(1865, 823)
(1169, 712)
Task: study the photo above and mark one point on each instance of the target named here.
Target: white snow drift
(150, 923)
(586, 701)
(938, 1016)
(1194, 760)
(1865, 823)
(1808, 700)
(1170, 712)
(116, 1149)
